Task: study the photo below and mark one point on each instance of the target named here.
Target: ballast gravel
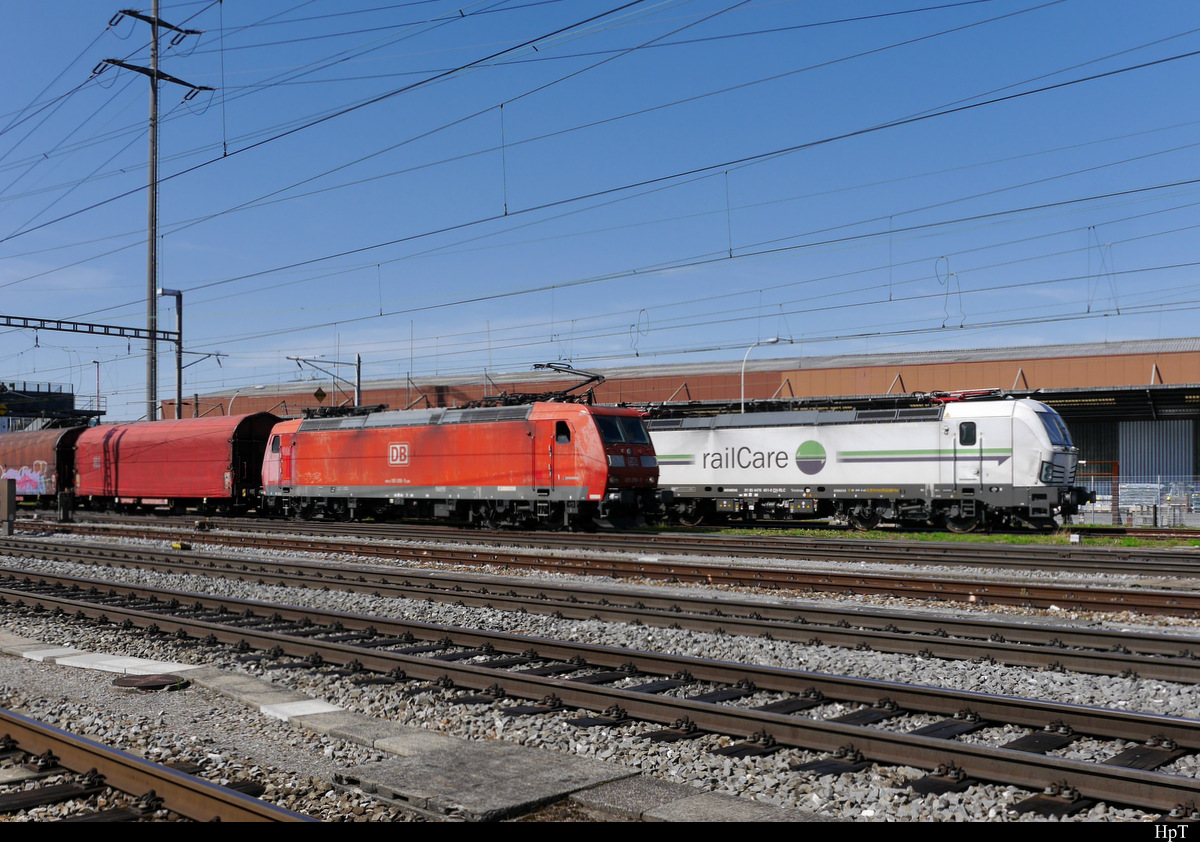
(229, 743)
(197, 724)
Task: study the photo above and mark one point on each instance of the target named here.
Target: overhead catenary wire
(695, 170)
(744, 254)
(434, 256)
(941, 32)
(343, 111)
(774, 77)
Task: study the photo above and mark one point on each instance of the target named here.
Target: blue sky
(453, 188)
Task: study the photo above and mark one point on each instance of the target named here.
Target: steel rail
(183, 794)
(1109, 783)
(1153, 656)
(1100, 722)
(1169, 562)
(1150, 561)
(1178, 602)
(1149, 532)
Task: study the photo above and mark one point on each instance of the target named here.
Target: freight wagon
(42, 462)
(212, 464)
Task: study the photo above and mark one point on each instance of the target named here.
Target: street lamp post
(97, 364)
(229, 409)
(178, 295)
(772, 341)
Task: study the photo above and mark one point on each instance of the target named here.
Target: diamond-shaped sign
(319, 394)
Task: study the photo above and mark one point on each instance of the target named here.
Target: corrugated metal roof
(906, 358)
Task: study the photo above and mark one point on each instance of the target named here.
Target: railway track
(1143, 597)
(1142, 561)
(689, 696)
(867, 629)
(1150, 533)
(47, 766)
(1168, 657)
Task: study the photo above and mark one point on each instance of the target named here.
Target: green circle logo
(810, 457)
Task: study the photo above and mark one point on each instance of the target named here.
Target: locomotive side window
(1055, 428)
(274, 444)
(562, 433)
(615, 429)
(635, 430)
(610, 428)
(966, 433)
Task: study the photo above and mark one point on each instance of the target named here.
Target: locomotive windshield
(615, 429)
(1055, 427)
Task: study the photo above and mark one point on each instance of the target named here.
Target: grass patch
(1056, 538)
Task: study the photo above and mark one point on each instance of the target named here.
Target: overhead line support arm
(85, 327)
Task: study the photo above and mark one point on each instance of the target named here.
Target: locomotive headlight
(1047, 474)
(616, 461)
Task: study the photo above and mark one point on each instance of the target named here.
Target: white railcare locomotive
(962, 461)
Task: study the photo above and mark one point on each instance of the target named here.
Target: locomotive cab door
(563, 460)
(542, 437)
(553, 454)
(287, 458)
(977, 451)
(277, 463)
(967, 445)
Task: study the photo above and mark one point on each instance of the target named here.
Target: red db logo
(398, 453)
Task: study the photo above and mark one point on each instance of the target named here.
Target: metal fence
(30, 386)
(1141, 501)
(91, 404)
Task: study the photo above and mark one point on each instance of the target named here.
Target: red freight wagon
(42, 462)
(557, 463)
(194, 461)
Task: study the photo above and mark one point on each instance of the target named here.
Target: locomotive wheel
(692, 517)
(962, 525)
(866, 520)
(484, 516)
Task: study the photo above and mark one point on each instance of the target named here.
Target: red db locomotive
(556, 464)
